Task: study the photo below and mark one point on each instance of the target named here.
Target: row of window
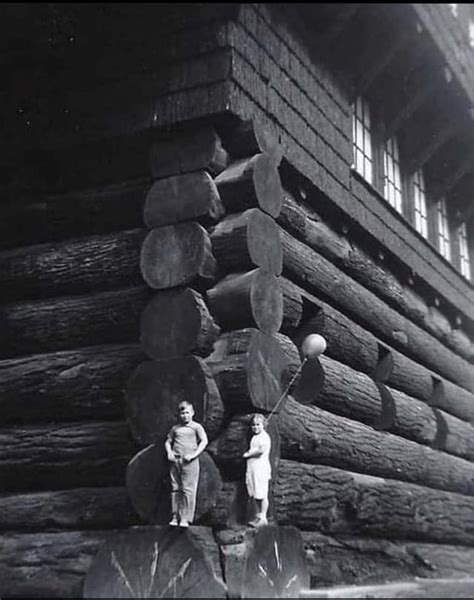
(407, 195)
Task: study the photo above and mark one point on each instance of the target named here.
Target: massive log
(186, 150)
(78, 384)
(176, 323)
(177, 255)
(62, 560)
(310, 434)
(357, 396)
(71, 321)
(80, 508)
(252, 369)
(72, 267)
(244, 240)
(93, 211)
(157, 387)
(252, 137)
(305, 224)
(313, 497)
(252, 299)
(251, 182)
(188, 197)
(47, 457)
(153, 562)
(333, 560)
(264, 563)
(353, 345)
(310, 269)
(149, 486)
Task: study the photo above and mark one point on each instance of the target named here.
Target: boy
(184, 444)
(259, 469)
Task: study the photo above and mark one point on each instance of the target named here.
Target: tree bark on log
(309, 268)
(356, 396)
(64, 456)
(188, 197)
(177, 255)
(79, 508)
(244, 240)
(333, 560)
(306, 225)
(155, 389)
(67, 386)
(186, 150)
(313, 497)
(175, 323)
(149, 486)
(251, 182)
(353, 345)
(252, 137)
(252, 299)
(68, 322)
(251, 369)
(88, 212)
(312, 435)
(72, 267)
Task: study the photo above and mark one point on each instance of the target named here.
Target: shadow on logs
(153, 563)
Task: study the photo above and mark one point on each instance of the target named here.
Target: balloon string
(287, 389)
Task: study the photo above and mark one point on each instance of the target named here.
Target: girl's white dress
(259, 470)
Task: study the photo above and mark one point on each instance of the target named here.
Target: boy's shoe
(254, 523)
(173, 522)
(184, 524)
(258, 522)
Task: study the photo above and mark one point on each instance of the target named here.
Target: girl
(259, 471)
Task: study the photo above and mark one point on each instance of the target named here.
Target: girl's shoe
(173, 522)
(184, 524)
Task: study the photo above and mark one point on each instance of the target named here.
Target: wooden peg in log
(176, 255)
(175, 323)
(248, 300)
(157, 387)
(252, 182)
(153, 562)
(251, 368)
(248, 239)
(187, 197)
(187, 150)
(149, 486)
(252, 137)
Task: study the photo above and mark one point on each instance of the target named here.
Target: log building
(188, 190)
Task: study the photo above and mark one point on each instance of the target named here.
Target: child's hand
(245, 454)
(172, 458)
(188, 458)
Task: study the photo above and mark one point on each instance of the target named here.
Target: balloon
(313, 345)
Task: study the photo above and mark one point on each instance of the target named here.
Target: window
(392, 181)
(419, 203)
(464, 258)
(363, 155)
(444, 242)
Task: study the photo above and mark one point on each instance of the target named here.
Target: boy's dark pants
(184, 482)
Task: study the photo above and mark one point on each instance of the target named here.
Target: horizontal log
(310, 434)
(252, 137)
(333, 560)
(306, 267)
(79, 508)
(175, 323)
(63, 559)
(93, 211)
(251, 369)
(68, 322)
(242, 241)
(356, 396)
(314, 497)
(46, 457)
(188, 197)
(73, 266)
(252, 299)
(177, 255)
(251, 182)
(353, 345)
(155, 389)
(305, 224)
(191, 149)
(71, 385)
